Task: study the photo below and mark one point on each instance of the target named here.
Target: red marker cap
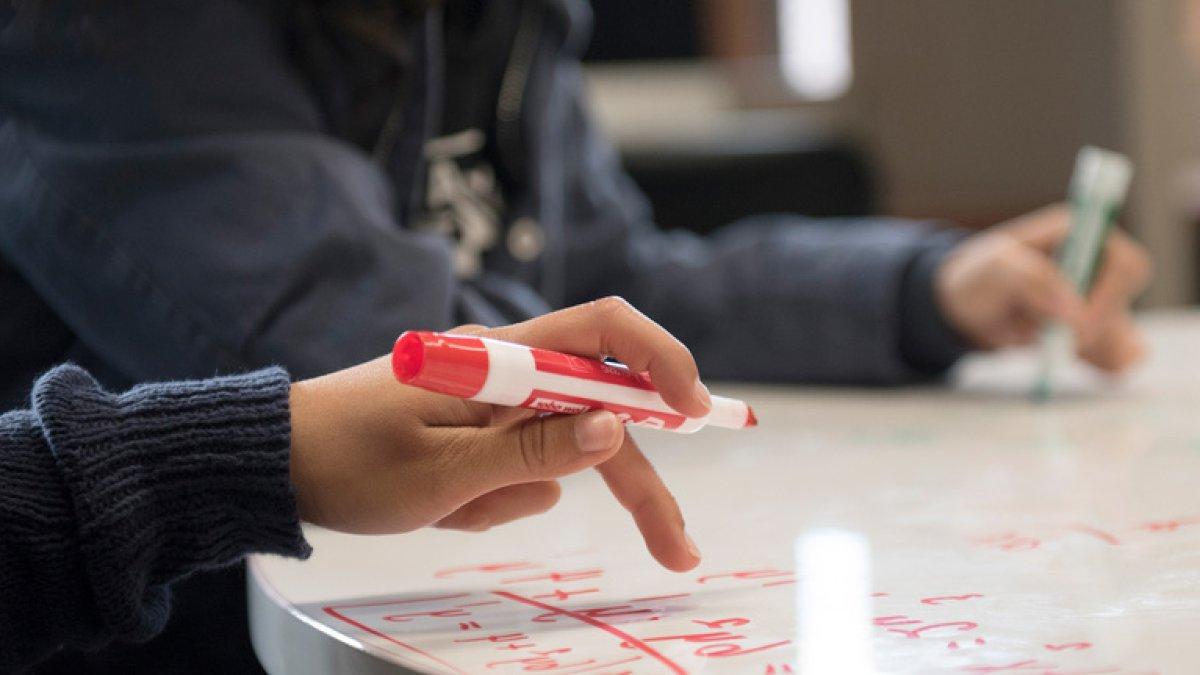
(450, 364)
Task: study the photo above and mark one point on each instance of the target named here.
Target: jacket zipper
(513, 85)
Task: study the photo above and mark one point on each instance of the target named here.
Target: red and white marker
(503, 373)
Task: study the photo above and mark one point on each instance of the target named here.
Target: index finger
(638, 487)
(1123, 274)
(1044, 229)
(612, 327)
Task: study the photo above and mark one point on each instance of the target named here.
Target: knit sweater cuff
(170, 478)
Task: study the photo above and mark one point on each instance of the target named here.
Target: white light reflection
(833, 604)
(814, 47)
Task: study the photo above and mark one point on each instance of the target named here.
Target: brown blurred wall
(974, 109)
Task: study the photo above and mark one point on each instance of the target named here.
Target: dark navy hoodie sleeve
(105, 499)
(781, 298)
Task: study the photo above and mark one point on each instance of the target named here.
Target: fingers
(1125, 272)
(1118, 346)
(637, 486)
(1019, 330)
(1041, 289)
(1044, 229)
(1107, 335)
(503, 505)
(612, 327)
(1126, 267)
(535, 449)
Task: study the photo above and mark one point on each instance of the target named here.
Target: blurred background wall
(965, 110)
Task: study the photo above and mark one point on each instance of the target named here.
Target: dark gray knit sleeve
(105, 499)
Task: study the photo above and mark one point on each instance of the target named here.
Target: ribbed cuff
(928, 343)
(167, 479)
(41, 579)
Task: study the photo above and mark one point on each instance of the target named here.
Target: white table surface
(916, 530)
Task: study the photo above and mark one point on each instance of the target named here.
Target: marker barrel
(507, 374)
(1098, 188)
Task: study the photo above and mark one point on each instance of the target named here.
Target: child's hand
(998, 288)
(370, 455)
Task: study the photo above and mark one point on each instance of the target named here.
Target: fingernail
(597, 431)
(691, 545)
(702, 396)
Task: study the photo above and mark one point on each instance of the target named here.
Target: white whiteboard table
(856, 531)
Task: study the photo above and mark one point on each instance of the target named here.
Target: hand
(998, 288)
(370, 455)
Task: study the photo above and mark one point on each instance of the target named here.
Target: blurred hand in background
(999, 287)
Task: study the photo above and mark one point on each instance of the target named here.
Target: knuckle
(612, 307)
(442, 478)
(534, 447)
(611, 321)
(1132, 261)
(1004, 250)
(1019, 267)
(1140, 263)
(468, 329)
(437, 483)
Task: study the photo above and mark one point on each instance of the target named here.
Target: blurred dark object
(702, 188)
(706, 178)
(628, 30)
(215, 593)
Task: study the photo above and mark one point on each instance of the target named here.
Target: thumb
(1044, 229)
(545, 448)
(1042, 289)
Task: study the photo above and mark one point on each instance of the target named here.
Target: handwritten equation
(534, 617)
(530, 622)
(1137, 533)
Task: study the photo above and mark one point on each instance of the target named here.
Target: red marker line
(381, 603)
(380, 634)
(661, 597)
(486, 569)
(480, 604)
(610, 629)
(1099, 534)
(598, 666)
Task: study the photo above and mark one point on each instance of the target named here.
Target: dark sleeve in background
(771, 298)
(106, 499)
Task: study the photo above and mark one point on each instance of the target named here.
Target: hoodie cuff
(928, 343)
(168, 479)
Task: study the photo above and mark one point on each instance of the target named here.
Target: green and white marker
(1097, 194)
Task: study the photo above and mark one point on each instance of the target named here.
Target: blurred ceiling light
(814, 47)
